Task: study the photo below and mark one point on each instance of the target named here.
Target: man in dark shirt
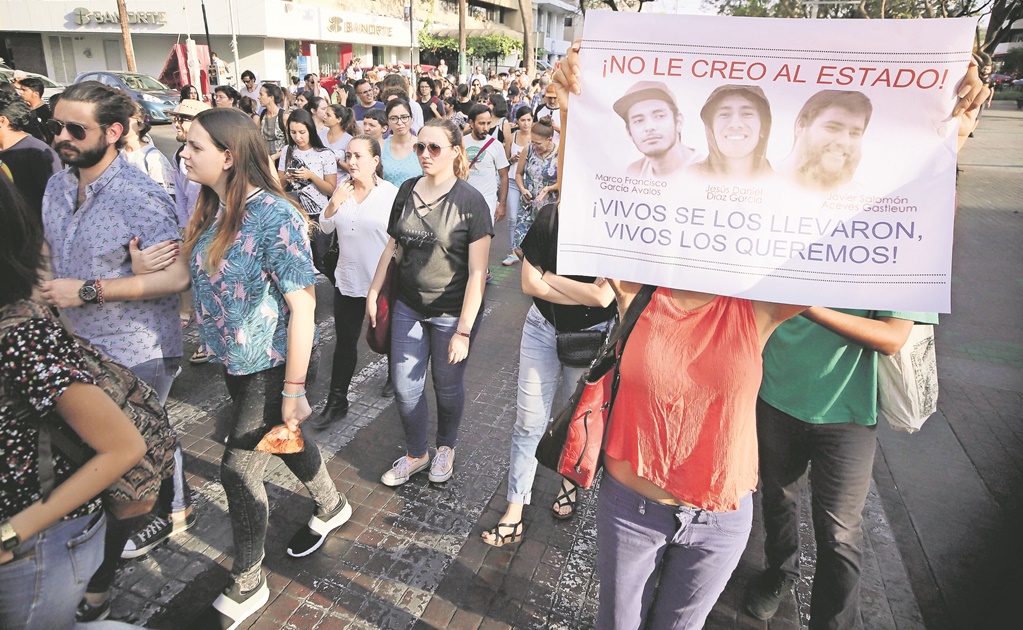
(32, 92)
(30, 161)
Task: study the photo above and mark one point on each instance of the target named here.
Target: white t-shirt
(152, 162)
(362, 235)
(417, 116)
(484, 175)
(321, 162)
(254, 95)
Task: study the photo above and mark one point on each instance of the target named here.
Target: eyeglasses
(403, 118)
(433, 148)
(76, 130)
(364, 92)
(180, 120)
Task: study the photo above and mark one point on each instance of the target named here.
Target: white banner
(794, 161)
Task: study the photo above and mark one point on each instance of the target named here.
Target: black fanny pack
(579, 348)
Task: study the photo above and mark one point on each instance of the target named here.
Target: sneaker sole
(441, 478)
(138, 553)
(232, 614)
(396, 483)
(327, 529)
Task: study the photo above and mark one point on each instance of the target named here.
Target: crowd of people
(395, 177)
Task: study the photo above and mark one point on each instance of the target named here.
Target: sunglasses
(76, 130)
(433, 148)
(180, 119)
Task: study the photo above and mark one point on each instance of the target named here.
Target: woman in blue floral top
(253, 282)
(537, 178)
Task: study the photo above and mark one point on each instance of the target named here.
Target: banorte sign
(84, 17)
(340, 25)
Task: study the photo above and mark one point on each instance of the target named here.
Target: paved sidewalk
(937, 519)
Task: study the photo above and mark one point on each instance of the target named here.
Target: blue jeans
(41, 587)
(416, 339)
(512, 202)
(539, 373)
(662, 566)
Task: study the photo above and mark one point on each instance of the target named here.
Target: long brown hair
(231, 130)
(454, 135)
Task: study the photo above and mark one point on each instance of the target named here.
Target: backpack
(135, 493)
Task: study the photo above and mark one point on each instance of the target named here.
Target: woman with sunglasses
(254, 288)
(433, 107)
(440, 230)
(537, 178)
(358, 212)
(141, 153)
(475, 90)
(225, 96)
(310, 169)
(398, 158)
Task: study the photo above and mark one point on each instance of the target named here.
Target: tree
(863, 9)
(1012, 62)
(614, 5)
(1003, 14)
(528, 37)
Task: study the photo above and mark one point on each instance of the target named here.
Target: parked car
(156, 98)
(1000, 79)
(50, 87)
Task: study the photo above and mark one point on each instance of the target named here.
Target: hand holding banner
(791, 161)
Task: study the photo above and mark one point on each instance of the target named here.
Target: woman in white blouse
(358, 210)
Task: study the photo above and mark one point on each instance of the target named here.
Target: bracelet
(294, 382)
(463, 334)
(287, 395)
(99, 293)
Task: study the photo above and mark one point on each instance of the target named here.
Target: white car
(50, 88)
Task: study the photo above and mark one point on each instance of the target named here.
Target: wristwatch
(89, 293)
(8, 537)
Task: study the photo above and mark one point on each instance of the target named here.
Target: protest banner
(794, 161)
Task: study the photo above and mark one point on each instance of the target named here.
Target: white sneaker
(510, 260)
(402, 469)
(443, 464)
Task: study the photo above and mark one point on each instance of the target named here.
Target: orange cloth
(685, 414)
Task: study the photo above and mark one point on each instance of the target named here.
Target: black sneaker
(92, 612)
(309, 538)
(387, 391)
(232, 607)
(765, 592)
(156, 530)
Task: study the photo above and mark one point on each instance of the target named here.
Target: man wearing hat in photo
(654, 123)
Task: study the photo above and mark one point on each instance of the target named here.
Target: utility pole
(461, 39)
(129, 50)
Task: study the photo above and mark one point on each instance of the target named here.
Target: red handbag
(573, 442)
(379, 337)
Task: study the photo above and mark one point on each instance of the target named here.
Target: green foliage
(1012, 62)
(479, 47)
(865, 8)
(491, 46)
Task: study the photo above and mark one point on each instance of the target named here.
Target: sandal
(499, 540)
(566, 498)
(200, 356)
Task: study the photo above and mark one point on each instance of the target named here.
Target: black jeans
(256, 407)
(841, 458)
(348, 315)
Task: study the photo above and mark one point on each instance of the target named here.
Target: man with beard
(488, 165)
(829, 140)
(654, 123)
(94, 214)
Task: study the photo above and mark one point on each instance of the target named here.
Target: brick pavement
(411, 556)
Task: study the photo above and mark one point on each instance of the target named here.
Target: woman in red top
(675, 506)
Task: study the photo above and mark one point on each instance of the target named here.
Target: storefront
(65, 39)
